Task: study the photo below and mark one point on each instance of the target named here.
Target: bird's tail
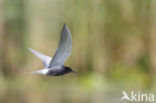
(43, 72)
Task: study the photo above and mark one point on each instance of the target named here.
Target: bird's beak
(73, 72)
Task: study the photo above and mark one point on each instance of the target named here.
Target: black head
(68, 69)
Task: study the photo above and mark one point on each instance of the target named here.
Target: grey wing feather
(45, 59)
(64, 48)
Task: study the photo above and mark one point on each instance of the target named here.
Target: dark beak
(73, 72)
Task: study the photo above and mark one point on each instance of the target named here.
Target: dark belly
(55, 73)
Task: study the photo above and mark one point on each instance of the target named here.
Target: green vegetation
(114, 49)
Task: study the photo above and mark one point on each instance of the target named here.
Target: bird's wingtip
(64, 25)
(28, 48)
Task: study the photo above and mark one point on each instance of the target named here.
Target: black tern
(55, 66)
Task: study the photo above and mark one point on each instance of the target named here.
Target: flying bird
(55, 66)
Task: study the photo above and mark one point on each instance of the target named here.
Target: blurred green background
(114, 49)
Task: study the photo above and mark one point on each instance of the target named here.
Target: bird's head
(68, 69)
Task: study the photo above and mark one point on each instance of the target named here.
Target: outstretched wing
(45, 59)
(64, 48)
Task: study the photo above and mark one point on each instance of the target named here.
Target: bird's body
(58, 70)
(55, 66)
(54, 71)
